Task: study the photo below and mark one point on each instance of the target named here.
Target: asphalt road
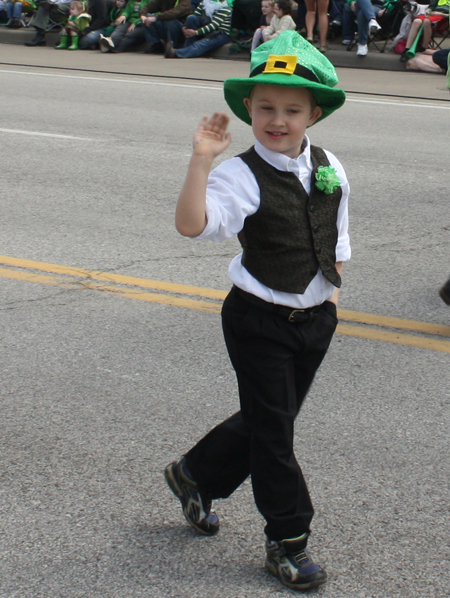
(107, 379)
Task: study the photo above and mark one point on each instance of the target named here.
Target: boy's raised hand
(211, 137)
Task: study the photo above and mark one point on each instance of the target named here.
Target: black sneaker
(444, 292)
(290, 562)
(196, 506)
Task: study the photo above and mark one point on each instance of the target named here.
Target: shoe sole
(297, 586)
(178, 492)
(445, 298)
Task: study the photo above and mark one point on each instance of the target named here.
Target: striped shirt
(221, 19)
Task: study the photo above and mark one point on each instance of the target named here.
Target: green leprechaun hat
(287, 60)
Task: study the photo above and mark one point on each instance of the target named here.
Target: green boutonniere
(326, 179)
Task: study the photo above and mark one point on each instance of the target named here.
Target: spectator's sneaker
(444, 292)
(362, 50)
(346, 42)
(373, 26)
(196, 506)
(106, 44)
(290, 562)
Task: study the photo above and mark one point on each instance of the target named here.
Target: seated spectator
(123, 14)
(163, 21)
(366, 12)
(98, 9)
(78, 21)
(56, 10)
(14, 12)
(206, 30)
(133, 35)
(266, 17)
(437, 11)
(281, 21)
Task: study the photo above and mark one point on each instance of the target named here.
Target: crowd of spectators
(191, 28)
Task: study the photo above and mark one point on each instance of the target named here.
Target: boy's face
(120, 3)
(266, 8)
(280, 116)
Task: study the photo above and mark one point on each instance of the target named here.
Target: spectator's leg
(310, 18)
(202, 46)
(119, 33)
(59, 13)
(301, 14)
(90, 40)
(440, 57)
(174, 32)
(192, 22)
(17, 10)
(322, 7)
(257, 39)
(417, 23)
(153, 33)
(131, 39)
(348, 25)
(364, 12)
(427, 33)
(40, 19)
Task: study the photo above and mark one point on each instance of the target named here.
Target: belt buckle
(291, 317)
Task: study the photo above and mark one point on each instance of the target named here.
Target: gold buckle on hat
(281, 64)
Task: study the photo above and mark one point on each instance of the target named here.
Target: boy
(289, 209)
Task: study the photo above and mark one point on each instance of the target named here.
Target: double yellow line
(381, 328)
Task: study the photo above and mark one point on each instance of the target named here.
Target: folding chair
(51, 23)
(440, 33)
(29, 9)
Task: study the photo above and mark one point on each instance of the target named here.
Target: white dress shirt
(233, 194)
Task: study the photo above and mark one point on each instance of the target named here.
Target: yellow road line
(110, 277)
(73, 278)
(394, 337)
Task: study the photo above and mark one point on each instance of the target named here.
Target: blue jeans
(90, 39)
(197, 46)
(161, 32)
(14, 10)
(364, 12)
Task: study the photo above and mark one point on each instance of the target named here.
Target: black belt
(292, 315)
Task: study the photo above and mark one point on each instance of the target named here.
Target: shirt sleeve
(232, 195)
(343, 249)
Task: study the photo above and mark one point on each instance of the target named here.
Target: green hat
(291, 61)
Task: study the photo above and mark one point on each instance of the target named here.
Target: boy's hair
(78, 5)
(284, 6)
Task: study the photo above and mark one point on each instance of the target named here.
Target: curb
(338, 56)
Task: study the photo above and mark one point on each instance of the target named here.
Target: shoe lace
(301, 557)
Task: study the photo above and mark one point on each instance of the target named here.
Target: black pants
(275, 362)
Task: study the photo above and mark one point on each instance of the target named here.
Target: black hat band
(300, 71)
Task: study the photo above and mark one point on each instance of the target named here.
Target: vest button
(319, 250)
(315, 229)
(312, 208)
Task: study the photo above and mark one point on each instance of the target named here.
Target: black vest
(292, 233)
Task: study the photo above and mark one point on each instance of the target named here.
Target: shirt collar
(282, 162)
